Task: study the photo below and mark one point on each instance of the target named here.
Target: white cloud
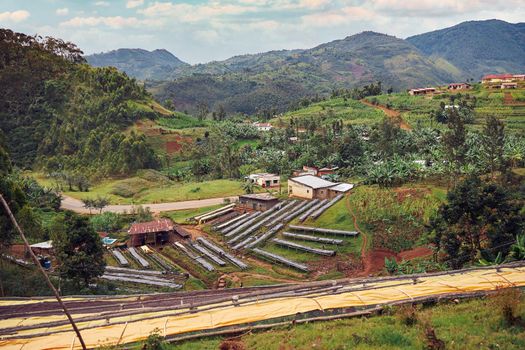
(15, 16)
(194, 13)
(102, 3)
(62, 12)
(338, 17)
(134, 3)
(112, 22)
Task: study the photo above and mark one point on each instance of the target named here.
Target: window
(275, 181)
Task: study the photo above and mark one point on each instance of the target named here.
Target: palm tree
(248, 187)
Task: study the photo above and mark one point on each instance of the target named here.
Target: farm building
(422, 91)
(509, 85)
(263, 126)
(257, 201)
(265, 180)
(155, 232)
(459, 86)
(313, 187)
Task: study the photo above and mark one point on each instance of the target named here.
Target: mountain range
(138, 63)
(272, 80)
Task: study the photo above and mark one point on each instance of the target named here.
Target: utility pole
(37, 263)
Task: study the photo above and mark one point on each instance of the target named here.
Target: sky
(204, 30)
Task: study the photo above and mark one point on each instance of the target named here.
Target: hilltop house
(155, 232)
(421, 91)
(459, 86)
(502, 78)
(313, 187)
(257, 201)
(263, 126)
(265, 180)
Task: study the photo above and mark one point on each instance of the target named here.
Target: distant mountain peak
(139, 63)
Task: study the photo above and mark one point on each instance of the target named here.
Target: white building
(263, 126)
(265, 180)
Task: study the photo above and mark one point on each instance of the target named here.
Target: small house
(313, 187)
(459, 86)
(265, 180)
(263, 126)
(421, 91)
(257, 201)
(509, 85)
(155, 232)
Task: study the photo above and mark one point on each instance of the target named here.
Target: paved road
(77, 206)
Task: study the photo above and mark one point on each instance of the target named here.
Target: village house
(509, 85)
(315, 171)
(459, 86)
(257, 201)
(155, 232)
(43, 248)
(263, 126)
(421, 91)
(497, 78)
(313, 187)
(265, 180)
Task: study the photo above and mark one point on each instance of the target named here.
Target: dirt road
(77, 206)
(390, 113)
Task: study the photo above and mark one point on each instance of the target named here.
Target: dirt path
(77, 206)
(509, 100)
(395, 115)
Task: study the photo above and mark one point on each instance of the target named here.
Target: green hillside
(477, 47)
(61, 114)
(270, 81)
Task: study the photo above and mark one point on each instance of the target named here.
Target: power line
(37, 263)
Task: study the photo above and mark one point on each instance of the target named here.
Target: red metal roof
(160, 225)
(497, 76)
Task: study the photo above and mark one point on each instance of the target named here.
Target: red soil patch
(18, 250)
(374, 262)
(418, 252)
(178, 144)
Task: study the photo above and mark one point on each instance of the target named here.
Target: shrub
(107, 222)
(506, 301)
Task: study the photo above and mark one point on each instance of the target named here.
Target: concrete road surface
(77, 206)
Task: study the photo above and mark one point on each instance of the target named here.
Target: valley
(372, 184)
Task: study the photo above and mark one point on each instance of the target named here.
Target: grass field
(350, 111)
(146, 189)
(396, 218)
(182, 216)
(472, 324)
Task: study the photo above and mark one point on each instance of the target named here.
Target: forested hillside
(258, 83)
(138, 63)
(477, 47)
(62, 114)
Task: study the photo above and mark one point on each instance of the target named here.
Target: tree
(494, 144)
(248, 187)
(479, 221)
(454, 142)
(78, 248)
(100, 203)
(89, 203)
